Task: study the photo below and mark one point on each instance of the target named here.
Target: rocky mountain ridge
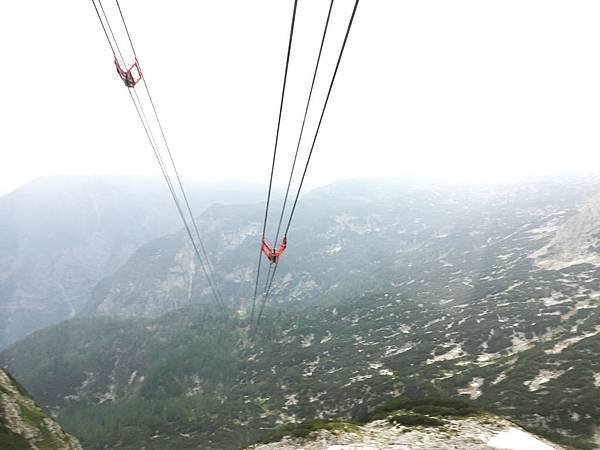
(474, 433)
(59, 236)
(577, 241)
(351, 237)
(23, 425)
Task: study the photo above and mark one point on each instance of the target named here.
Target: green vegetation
(185, 371)
(442, 407)
(415, 420)
(305, 428)
(13, 441)
(192, 378)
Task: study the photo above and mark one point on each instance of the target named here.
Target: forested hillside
(193, 376)
(387, 289)
(353, 237)
(60, 235)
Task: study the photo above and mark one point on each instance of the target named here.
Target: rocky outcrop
(485, 432)
(577, 240)
(23, 425)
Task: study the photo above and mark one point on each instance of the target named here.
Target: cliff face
(576, 241)
(23, 425)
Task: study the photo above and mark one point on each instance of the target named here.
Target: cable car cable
(264, 230)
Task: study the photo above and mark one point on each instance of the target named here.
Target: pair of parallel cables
(274, 253)
(131, 74)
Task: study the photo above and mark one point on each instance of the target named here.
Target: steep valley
(387, 290)
(59, 236)
(192, 376)
(352, 237)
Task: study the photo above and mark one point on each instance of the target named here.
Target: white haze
(466, 90)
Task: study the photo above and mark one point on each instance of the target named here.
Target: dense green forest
(193, 376)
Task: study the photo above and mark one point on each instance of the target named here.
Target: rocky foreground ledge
(481, 432)
(23, 425)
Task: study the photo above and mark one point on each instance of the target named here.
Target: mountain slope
(159, 380)
(577, 241)
(483, 432)
(23, 425)
(390, 291)
(192, 377)
(353, 237)
(60, 236)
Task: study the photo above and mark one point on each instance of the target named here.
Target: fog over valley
(300, 225)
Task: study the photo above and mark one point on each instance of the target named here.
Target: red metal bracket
(130, 76)
(272, 254)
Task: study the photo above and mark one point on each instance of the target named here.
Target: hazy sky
(470, 90)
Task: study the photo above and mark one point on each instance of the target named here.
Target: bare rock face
(24, 425)
(485, 432)
(577, 241)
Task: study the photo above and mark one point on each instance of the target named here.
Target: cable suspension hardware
(264, 230)
(130, 72)
(131, 75)
(274, 261)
